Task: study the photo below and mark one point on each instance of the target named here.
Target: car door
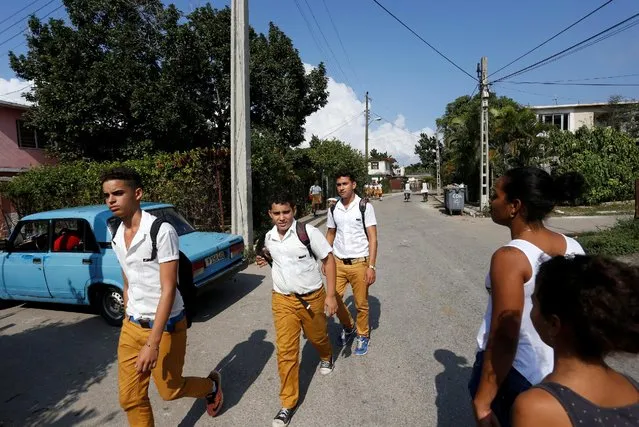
(23, 270)
(73, 260)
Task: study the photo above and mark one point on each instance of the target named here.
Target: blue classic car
(65, 256)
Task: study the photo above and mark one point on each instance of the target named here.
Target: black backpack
(362, 208)
(302, 234)
(185, 285)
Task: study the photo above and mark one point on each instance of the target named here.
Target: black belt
(148, 323)
(304, 302)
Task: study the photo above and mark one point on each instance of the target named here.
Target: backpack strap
(155, 229)
(302, 234)
(362, 208)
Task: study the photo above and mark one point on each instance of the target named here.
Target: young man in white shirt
(353, 235)
(315, 192)
(299, 300)
(153, 336)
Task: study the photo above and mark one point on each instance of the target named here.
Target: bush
(193, 181)
(608, 160)
(622, 239)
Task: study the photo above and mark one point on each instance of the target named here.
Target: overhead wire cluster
(611, 31)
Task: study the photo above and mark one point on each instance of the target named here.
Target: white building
(379, 168)
(571, 117)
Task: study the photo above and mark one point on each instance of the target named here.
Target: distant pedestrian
(153, 336)
(511, 356)
(299, 300)
(586, 309)
(352, 230)
(315, 192)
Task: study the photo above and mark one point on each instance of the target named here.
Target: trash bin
(454, 199)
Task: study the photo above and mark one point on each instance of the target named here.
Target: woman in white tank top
(511, 357)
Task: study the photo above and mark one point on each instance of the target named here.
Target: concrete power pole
(366, 117)
(439, 176)
(241, 186)
(484, 165)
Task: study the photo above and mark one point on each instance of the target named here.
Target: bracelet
(149, 345)
(372, 267)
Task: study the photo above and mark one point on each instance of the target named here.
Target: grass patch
(622, 239)
(610, 208)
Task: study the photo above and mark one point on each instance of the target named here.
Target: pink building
(20, 149)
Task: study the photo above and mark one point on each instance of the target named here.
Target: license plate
(214, 258)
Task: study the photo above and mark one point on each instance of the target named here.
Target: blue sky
(409, 83)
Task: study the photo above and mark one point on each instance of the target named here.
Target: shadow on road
(335, 328)
(453, 399)
(223, 295)
(47, 368)
(239, 369)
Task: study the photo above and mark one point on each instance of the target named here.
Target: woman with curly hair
(585, 308)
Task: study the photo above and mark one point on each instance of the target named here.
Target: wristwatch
(372, 267)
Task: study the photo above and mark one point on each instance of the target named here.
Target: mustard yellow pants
(290, 317)
(167, 374)
(354, 274)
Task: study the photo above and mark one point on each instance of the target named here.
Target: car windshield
(170, 215)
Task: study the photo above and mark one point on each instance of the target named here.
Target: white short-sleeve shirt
(294, 270)
(144, 276)
(350, 238)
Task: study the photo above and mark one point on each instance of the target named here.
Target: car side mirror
(5, 245)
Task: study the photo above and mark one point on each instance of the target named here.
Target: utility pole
(439, 176)
(241, 186)
(484, 165)
(366, 117)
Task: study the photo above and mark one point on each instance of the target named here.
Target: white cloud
(11, 90)
(343, 118)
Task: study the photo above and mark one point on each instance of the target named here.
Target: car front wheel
(111, 306)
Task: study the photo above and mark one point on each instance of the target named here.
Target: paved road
(59, 363)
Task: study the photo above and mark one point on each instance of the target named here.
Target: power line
(24, 29)
(551, 38)
(595, 78)
(15, 13)
(19, 21)
(339, 38)
(310, 30)
(339, 66)
(343, 124)
(422, 39)
(544, 95)
(571, 49)
(573, 84)
(398, 127)
(17, 90)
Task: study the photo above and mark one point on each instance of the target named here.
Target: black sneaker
(326, 366)
(283, 417)
(345, 335)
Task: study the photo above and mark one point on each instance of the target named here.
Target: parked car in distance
(65, 256)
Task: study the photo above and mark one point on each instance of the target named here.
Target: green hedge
(194, 182)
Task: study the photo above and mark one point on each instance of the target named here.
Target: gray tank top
(584, 413)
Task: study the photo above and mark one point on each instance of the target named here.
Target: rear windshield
(170, 215)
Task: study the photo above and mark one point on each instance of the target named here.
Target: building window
(558, 120)
(28, 137)
(374, 165)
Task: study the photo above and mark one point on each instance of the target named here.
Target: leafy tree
(515, 138)
(334, 156)
(622, 114)
(128, 77)
(416, 169)
(378, 155)
(426, 149)
(608, 159)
